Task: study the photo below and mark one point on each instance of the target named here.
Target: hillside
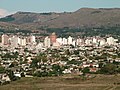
(99, 82)
(82, 18)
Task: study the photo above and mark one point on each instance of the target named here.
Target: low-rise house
(93, 69)
(67, 71)
(4, 78)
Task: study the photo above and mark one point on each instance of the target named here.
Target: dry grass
(100, 82)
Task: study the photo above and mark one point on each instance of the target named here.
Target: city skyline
(8, 7)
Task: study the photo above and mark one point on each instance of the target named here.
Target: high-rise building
(28, 40)
(23, 42)
(94, 40)
(59, 40)
(64, 41)
(14, 41)
(88, 41)
(47, 42)
(53, 38)
(70, 40)
(74, 43)
(79, 42)
(102, 42)
(5, 39)
(39, 46)
(33, 39)
(56, 45)
(110, 41)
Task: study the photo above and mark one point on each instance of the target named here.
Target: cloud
(3, 12)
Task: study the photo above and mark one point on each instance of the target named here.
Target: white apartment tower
(59, 40)
(33, 39)
(14, 41)
(110, 41)
(5, 39)
(64, 41)
(70, 40)
(47, 42)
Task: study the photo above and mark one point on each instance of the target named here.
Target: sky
(39, 6)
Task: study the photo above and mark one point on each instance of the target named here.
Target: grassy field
(98, 82)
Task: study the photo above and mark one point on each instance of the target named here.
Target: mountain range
(82, 18)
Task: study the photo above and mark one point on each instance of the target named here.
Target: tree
(101, 65)
(11, 75)
(109, 69)
(67, 52)
(34, 63)
(76, 52)
(2, 69)
(86, 70)
(57, 69)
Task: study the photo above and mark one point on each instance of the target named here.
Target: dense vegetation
(103, 31)
(7, 19)
(15, 31)
(66, 31)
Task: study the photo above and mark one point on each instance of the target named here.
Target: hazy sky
(10, 6)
